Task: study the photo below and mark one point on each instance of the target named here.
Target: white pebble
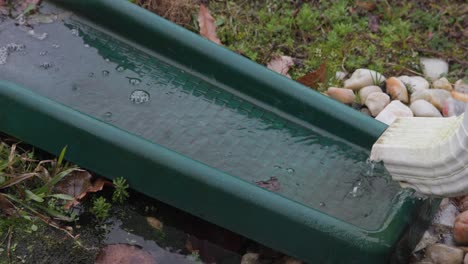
(434, 68)
(423, 108)
(392, 111)
(364, 92)
(363, 77)
(414, 83)
(442, 83)
(376, 102)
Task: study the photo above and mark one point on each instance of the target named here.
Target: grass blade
(16, 180)
(33, 196)
(61, 156)
(62, 196)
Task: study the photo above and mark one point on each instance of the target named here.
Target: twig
(273, 47)
(53, 224)
(10, 233)
(407, 69)
(342, 65)
(17, 179)
(49, 221)
(11, 157)
(4, 239)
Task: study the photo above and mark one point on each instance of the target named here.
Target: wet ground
(182, 239)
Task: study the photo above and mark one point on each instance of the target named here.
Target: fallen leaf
(77, 184)
(2, 2)
(272, 184)
(123, 254)
(373, 23)
(154, 223)
(207, 25)
(281, 65)
(366, 5)
(313, 78)
(6, 207)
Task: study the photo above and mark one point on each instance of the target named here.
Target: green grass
(120, 193)
(337, 32)
(100, 208)
(27, 184)
(27, 196)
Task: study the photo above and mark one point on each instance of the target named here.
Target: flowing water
(93, 71)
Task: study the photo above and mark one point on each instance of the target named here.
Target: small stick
(4, 239)
(407, 69)
(273, 47)
(342, 65)
(10, 232)
(53, 224)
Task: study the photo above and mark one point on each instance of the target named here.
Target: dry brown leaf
(271, 184)
(97, 186)
(154, 223)
(366, 5)
(123, 254)
(77, 184)
(281, 65)
(313, 78)
(6, 207)
(207, 25)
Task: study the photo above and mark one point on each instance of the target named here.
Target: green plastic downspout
(177, 180)
(227, 68)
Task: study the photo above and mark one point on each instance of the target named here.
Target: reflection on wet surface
(92, 71)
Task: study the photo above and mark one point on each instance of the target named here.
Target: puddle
(182, 239)
(120, 234)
